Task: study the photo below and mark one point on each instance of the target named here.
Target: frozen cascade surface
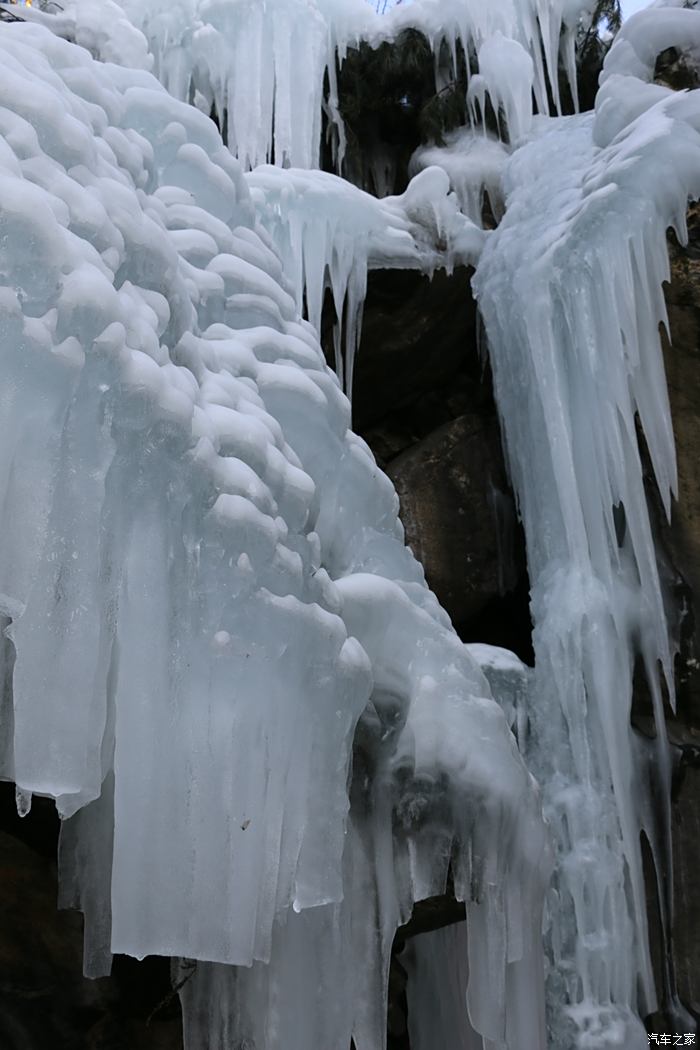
(170, 424)
(570, 289)
(210, 597)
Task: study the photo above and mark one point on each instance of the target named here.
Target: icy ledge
(207, 591)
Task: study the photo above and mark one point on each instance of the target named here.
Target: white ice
(474, 163)
(330, 234)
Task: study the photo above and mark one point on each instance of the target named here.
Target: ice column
(570, 287)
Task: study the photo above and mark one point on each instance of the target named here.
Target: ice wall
(186, 516)
(570, 288)
(209, 597)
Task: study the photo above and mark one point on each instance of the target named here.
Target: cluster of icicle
(264, 63)
(207, 598)
(330, 234)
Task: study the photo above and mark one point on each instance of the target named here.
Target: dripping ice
(187, 517)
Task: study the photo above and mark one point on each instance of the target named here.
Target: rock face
(458, 515)
(686, 859)
(417, 366)
(682, 360)
(423, 401)
(682, 543)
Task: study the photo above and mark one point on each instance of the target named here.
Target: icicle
(508, 75)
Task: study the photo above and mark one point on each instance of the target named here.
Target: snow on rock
(626, 90)
(649, 32)
(209, 592)
(570, 288)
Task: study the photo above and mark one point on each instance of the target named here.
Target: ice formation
(205, 572)
(570, 287)
(264, 69)
(330, 234)
(473, 161)
(203, 567)
(263, 63)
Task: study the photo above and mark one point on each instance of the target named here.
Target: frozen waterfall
(264, 738)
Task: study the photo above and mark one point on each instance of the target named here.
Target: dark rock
(459, 520)
(685, 833)
(682, 539)
(676, 70)
(417, 365)
(45, 1002)
(679, 549)
(686, 859)
(423, 400)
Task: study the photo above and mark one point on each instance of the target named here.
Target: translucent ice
(219, 657)
(507, 75)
